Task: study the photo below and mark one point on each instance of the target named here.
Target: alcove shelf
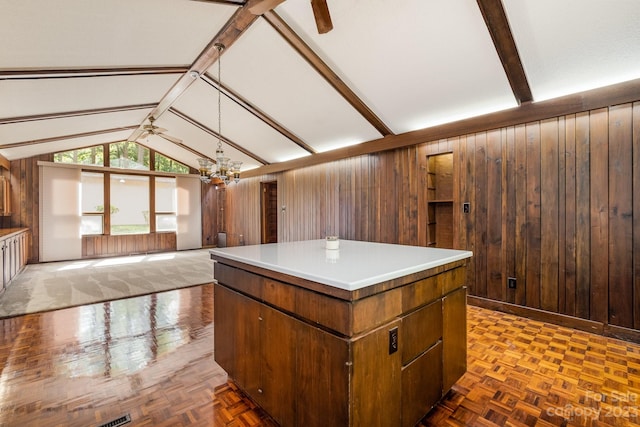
(440, 200)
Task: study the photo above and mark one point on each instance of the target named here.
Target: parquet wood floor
(152, 357)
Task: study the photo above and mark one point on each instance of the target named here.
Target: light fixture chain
(220, 47)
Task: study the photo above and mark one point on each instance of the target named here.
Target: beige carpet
(55, 285)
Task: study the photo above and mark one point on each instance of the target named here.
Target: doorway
(269, 212)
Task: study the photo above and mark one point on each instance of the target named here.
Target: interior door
(269, 216)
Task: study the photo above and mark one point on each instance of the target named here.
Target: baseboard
(622, 333)
(540, 315)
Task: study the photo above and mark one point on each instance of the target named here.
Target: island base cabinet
(406, 348)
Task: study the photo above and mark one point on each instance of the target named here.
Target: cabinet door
(322, 378)
(421, 385)
(5, 265)
(277, 388)
(237, 338)
(376, 381)
(454, 337)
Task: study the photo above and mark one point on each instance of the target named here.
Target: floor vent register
(117, 422)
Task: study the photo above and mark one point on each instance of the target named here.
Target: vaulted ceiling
(75, 73)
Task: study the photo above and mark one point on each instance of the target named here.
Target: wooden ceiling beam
(325, 71)
(59, 73)
(496, 20)
(256, 112)
(534, 111)
(62, 137)
(77, 113)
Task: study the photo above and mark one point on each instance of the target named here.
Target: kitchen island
(369, 334)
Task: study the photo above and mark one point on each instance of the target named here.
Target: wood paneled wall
(552, 205)
(555, 204)
(25, 200)
(127, 244)
(374, 198)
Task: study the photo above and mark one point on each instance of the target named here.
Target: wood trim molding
(597, 98)
(537, 314)
(557, 319)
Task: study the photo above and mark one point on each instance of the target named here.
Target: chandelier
(224, 169)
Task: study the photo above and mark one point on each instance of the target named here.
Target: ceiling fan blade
(158, 130)
(322, 16)
(170, 138)
(144, 134)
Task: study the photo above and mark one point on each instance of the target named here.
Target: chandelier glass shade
(223, 169)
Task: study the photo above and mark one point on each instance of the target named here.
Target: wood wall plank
(549, 208)
(494, 221)
(583, 216)
(570, 182)
(636, 215)
(562, 215)
(599, 174)
(620, 216)
(480, 211)
(520, 185)
(508, 211)
(533, 256)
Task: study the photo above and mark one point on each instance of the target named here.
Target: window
(92, 200)
(83, 156)
(165, 164)
(128, 155)
(129, 204)
(129, 210)
(166, 219)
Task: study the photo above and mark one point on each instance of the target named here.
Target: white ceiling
(74, 73)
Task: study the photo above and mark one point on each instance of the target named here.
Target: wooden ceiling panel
(55, 95)
(63, 144)
(81, 33)
(575, 45)
(262, 67)
(27, 132)
(197, 139)
(200, 102)
(416, 63)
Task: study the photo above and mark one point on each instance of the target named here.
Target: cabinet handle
(260, 390)
(260, 318)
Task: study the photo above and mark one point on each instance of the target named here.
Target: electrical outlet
(511, 282)
(466, 207)
(393, 340)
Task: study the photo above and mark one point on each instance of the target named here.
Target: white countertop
(353, 266)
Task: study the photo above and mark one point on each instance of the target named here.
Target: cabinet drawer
(421, 385)
(420, 330)
(240, 280)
